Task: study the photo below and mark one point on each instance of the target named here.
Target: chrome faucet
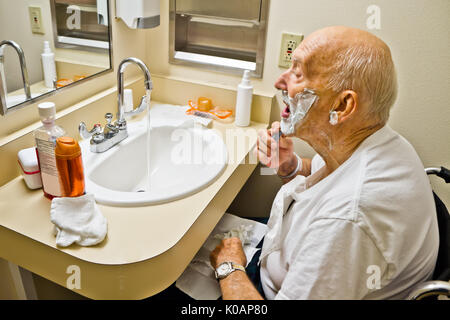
(103, 139)
(23, 68)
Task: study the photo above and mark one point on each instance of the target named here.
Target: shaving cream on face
(298, 107)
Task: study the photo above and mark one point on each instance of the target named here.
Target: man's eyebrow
(301, 62)
(297, 60)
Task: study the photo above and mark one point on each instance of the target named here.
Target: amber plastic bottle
(70, 167)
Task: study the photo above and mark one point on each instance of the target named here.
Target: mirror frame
(4, 110)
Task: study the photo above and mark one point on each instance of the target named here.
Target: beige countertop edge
(129, 281)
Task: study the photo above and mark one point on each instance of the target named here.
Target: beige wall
(416, 31)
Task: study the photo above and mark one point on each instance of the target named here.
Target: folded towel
(77, 220)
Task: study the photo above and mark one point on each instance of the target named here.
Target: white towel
(77, 220)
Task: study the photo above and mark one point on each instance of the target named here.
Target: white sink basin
(183, 160)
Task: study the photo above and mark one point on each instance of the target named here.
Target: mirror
(46, 45)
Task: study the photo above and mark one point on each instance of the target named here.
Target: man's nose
(281, 83)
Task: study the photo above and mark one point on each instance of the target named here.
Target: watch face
(223, 269)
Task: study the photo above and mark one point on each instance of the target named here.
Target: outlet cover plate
(289, 42)
(36, 22)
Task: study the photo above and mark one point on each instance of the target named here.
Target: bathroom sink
(184, 158)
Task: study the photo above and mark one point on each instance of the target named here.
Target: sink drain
(142, 190)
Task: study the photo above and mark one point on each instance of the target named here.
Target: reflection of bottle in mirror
(45, 148)
(48, 65)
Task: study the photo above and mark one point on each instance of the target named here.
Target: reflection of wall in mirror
(15, 25)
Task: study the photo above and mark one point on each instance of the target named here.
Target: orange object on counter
(76, 78)
(204, 104)
(216, 113)
(70, 167)
(63, 82)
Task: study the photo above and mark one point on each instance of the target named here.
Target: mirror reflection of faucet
(102, 139)
(23, 68)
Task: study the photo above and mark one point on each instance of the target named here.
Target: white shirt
(366, 231)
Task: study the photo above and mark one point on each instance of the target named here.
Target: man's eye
(297, 73)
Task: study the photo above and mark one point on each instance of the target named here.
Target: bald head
(342, 58)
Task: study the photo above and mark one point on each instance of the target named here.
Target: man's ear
(348, 104)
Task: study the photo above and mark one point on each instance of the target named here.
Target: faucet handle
(109, 117)
(85, 133)
(110, 128)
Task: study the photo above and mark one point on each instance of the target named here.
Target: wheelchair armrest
(429, 288)
(444, 174)
(441, 172)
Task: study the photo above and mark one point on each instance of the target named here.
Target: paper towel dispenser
(139, 14)
(220, 35)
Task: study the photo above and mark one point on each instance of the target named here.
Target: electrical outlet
(36, 20)
(289, 42)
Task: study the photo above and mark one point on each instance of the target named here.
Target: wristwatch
(225, 268)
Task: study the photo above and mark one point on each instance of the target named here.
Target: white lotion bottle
(45, 137)
(48, 65)
(244, 101)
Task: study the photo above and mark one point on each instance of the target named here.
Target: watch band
(237, 267)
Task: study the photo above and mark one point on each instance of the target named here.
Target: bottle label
(47, 163)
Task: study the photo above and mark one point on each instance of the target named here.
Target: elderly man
(357, 221)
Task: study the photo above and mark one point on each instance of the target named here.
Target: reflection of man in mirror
(74, 18)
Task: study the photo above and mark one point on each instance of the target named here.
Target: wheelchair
(439, 285)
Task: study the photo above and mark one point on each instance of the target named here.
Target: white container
(30, 168)
(244, 101)
(48, 65)
(45, 137)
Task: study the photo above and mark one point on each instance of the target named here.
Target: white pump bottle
(244, 101)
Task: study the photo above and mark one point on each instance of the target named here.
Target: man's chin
(287, 127)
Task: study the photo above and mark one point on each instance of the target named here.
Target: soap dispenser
(244, 101)
(139, 14)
